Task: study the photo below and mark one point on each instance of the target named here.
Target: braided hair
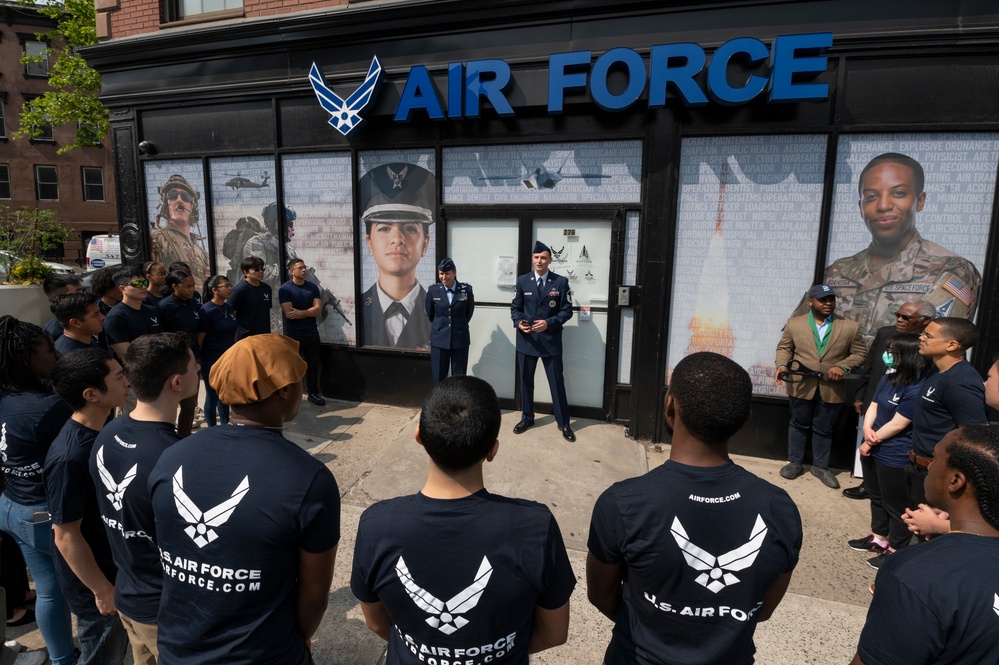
(17, 342)
(975, 453)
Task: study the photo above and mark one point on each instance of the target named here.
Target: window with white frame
(46, 183)
(93, 183)
(33, 48)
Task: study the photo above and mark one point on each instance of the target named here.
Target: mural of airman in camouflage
(172, 235)
(899, 265)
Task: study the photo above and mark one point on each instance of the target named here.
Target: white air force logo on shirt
(995, 606)
(445, 614)
(740, 558)
(3, 442)
(116, 490)
(200, 531)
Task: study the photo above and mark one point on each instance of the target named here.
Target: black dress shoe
(317, 399)
(858, 492)
(568, 435)
(522, 426)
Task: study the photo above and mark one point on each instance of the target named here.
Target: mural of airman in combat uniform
(899, 264)
(175, 239)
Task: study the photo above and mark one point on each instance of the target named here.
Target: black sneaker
(876, 561)
(866, 544)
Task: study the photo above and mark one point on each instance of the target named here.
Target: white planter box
(25, 301)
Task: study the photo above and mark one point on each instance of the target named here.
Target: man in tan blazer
(823, 343)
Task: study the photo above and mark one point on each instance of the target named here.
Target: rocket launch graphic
(709, 327)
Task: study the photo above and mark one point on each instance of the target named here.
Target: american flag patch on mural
(958, 288)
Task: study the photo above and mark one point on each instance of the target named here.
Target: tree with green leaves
(25, 235)
(74, 84)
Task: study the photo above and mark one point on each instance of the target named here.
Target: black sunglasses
(907, 317)
(184, 196)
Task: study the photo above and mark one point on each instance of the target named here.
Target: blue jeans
(51, 610)
(819, 418)
(103, 640)
(213, 402)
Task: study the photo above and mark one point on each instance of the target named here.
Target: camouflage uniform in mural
(171, 235)
(922, 270)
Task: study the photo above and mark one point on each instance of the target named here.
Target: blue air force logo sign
(345, 113)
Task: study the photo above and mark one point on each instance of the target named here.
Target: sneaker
(14, 646)
(792, 470)
(31, 658)
(866, 544)
(317, 399)
(876, 561)
(826, 476)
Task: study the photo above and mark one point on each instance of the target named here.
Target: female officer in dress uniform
(449, 307)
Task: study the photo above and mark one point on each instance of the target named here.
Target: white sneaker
(31, 658)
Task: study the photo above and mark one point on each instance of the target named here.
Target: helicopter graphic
(239, 182)
(540, 177)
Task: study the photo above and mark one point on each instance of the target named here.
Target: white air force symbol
(740, 558)
(446, 621)
(200, 531)
(995, 605)
(116, 490)
(3, 442)
(346, 113)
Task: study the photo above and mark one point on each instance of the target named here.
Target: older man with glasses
(910, 317)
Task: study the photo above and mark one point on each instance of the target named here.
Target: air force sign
(346, 113)
(789, 70)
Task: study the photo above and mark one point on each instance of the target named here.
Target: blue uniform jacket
(449, 322)
(554, 305)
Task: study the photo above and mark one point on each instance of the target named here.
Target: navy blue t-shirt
(66, 344)
(947, 399)
(72, 497)
(178, 315)
(252, 305)
(892, 399)
(124, 454)
(219, 325)
(124, 324)
(936, 603)
(102, 337)
(300, 297)
(53, 327)
(234, 506)
(458, 574)
(701, 547)
(29, 422)
(151, 299)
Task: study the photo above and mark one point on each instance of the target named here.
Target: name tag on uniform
(437, 299)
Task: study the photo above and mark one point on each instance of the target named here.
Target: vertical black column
(655, 276)
(131, 222)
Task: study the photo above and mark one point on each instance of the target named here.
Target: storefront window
(747, 230)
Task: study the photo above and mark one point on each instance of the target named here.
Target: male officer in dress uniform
(899, 265)
(449, 307)
(175, 239)
(541, 306)
(398, 202)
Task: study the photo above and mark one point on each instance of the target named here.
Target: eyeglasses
(184, 196)
(139, 283)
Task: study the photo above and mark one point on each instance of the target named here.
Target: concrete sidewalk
(371, 451)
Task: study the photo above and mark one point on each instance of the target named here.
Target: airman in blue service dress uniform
(449, 306)
(541, 306)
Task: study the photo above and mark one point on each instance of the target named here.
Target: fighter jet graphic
(740, 558)
(116, 490)
(200, 530)
(445, 614)
(346, 113)
(540, 177)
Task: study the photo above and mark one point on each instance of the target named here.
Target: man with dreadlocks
(30, 418)
(937, 602)
(175, 239)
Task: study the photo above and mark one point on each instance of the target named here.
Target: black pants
(888, 491)
(308, 348)
(915, 475)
